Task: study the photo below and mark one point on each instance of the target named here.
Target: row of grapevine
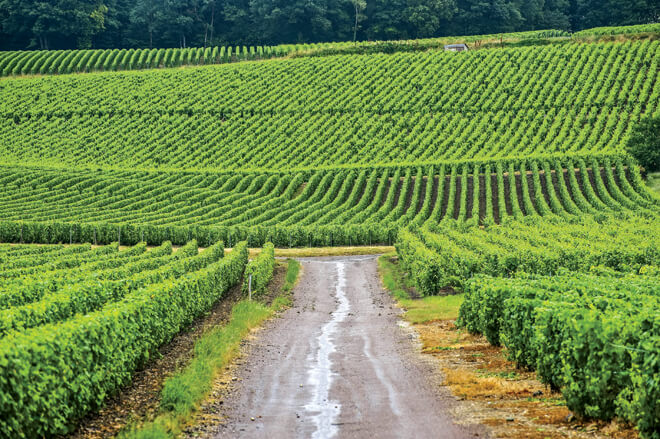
(514, 78)
(313, 112)
(574, 298)
(42, 62)
(594, 337)
(77, 61)
(444, 255)
(182, 206)
(106, 322)
(370, 47)
(259, 271)
(651, 28)
(493, 190)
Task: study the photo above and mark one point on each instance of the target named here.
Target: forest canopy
(69, 24)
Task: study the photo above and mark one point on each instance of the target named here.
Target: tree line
(69, 24)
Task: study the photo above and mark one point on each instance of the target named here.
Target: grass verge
(309, 252)
(183, 392)
(417, 310)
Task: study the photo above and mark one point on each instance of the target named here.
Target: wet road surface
(338, 364)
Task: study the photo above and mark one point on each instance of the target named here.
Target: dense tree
(486, 16)
(594, 13)
(46, 24)
(360, 6)
(644, 143)
(35, 24)
(147, 15)
(425, 17)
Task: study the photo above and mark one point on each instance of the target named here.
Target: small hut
(456, 48)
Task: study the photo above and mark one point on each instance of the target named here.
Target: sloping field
(500, 173)
(405, 108)
(314, 208)
(325, 150)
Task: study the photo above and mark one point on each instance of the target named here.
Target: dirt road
(338, 364)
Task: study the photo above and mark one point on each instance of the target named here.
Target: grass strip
(421, 310)
(309, 252)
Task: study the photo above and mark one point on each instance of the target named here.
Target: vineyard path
(339, 363)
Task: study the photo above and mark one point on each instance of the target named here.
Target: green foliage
(441, 116)
(65, 369)
(361, 206)
(261, 270)
(653, 28)
(644, 143)
(182, 392)
(589, 335)
(214, 350)
(448, 254)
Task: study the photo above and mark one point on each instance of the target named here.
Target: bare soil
(482, 196)
(336, 364)
(422, 195)
(518, 179)
(497, 215)
(434, 193)
(544, 187)
(470, 196)
(531, 190)
(445, 197)
(457, 198)
(507, 195)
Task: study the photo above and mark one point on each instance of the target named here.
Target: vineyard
(410, 108)
(575, 300)
(315, 208)
(49, 62)
(500, 173)
(87, 318)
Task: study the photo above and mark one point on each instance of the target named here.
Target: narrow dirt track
(338, 364)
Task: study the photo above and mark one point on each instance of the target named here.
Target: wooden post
(250, 287)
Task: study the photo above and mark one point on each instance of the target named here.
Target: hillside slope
(414, 108)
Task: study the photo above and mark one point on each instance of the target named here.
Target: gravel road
(338, 364)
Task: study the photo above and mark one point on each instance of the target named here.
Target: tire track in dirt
(338, 364)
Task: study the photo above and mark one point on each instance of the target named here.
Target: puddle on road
(380, 374)
(322, 410)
